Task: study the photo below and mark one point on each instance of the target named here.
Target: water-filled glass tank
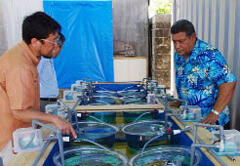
(108, 117)
(90, 156)
(111, 97)
(102, 100)
(138, 133)
(165, 155)
(137, 115)
(130, 116)
(131, 93)
(102, 133)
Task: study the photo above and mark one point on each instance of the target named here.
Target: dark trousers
(45, 101)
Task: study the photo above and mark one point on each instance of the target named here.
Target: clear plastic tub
(78, 88)
(56, 110)
(151, 98)
(191, 113)
(231, 142)
(69, 95)
(160, 90)
(27, 140)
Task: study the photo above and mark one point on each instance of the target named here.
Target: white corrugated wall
(217, 22)
(12, 13)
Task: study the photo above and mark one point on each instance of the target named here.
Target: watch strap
(215, 112)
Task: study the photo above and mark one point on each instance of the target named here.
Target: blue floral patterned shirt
(198, 79)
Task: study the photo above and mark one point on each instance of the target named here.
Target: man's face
(56, 51)
(49, 45)
(183, 44)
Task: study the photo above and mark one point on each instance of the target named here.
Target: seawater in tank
(139, 133)
(102, 133)
(90, 156)
(152, 129)
(165, 155)
(130, 116)
(108, 117)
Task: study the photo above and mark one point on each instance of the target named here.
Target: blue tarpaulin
(88, 49)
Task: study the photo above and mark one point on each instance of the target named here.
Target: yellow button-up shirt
(19, 88)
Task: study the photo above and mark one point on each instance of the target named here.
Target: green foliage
(161, 6)
(164, 7)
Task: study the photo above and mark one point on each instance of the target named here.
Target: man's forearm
(30, 114)
(224, 96)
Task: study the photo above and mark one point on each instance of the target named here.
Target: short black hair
(38, 25)
(183, 26)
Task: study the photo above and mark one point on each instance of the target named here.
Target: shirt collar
(199, 47)
(35, 60)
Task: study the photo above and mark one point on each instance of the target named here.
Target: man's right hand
(64, 126)
(31, 114)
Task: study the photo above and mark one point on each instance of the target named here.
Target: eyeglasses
(52, 42)
(57, 41)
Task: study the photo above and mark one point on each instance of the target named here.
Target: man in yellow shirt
(19, 81)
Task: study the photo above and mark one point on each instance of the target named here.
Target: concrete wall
(130, 68)
(161, 49)
(130, 26)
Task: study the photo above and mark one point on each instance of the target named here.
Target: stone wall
(161, 49)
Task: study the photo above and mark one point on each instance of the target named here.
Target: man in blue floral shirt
(202, 76)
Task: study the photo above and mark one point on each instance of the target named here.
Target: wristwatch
(215, 112)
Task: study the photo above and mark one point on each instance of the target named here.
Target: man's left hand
(211, 118)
